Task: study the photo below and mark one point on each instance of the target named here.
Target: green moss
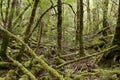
(46, 77)
(79, 77)
(10, 75)
(68, 73)
(2, 79)
(114, 77)
(59, 60)
(24, 77)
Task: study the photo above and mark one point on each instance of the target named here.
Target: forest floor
(84, 68)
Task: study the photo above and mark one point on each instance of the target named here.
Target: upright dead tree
(80, 26)
(59, 28)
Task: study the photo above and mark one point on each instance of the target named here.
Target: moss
(114, 77)
(24, 77)
(40, 60)
(46, 77)
(2, 78)
(79, 77)
(68, 73)
(97, 43)
(59, 60)
(10, 75)
(27, 64)
(107, 74)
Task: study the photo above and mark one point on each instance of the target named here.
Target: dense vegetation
(59, 39)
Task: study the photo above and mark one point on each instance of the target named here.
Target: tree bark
(95, 15)
(88, 16)
(80, 26)
(8, 25)
(59, 28)
(105, 13)
(28, 29)
(113, 56)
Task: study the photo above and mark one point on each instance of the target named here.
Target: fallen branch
(105, 71)
(68, 55)
(95, 54)
(41, 61)
(22, 68)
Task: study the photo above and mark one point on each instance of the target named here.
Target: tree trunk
(88, 16)
(95, 14)
(80, 26)
(113, 56)
(59, 28)
(28, 29)
(8, 25)
(105, 13)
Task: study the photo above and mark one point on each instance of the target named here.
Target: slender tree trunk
(95, 16)
(8, 26)
(1, 11)
(88, 16)
(59, 28)
(28, 29)
(31, 21)
(40, 30)
(80, 26)
(18, 9)
(77, 27)
(105, 13)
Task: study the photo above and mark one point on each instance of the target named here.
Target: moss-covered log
(41, 61)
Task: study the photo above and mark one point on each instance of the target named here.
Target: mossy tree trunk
(59, 28)
(95, 15)
(80, 26)
(77, 28)
(7, 25)
(18, 9)
(29, 27)
(116, 39)
(88, 16)
(113, 56)
(105, 13)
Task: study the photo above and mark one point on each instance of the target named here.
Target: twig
(54, 7)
